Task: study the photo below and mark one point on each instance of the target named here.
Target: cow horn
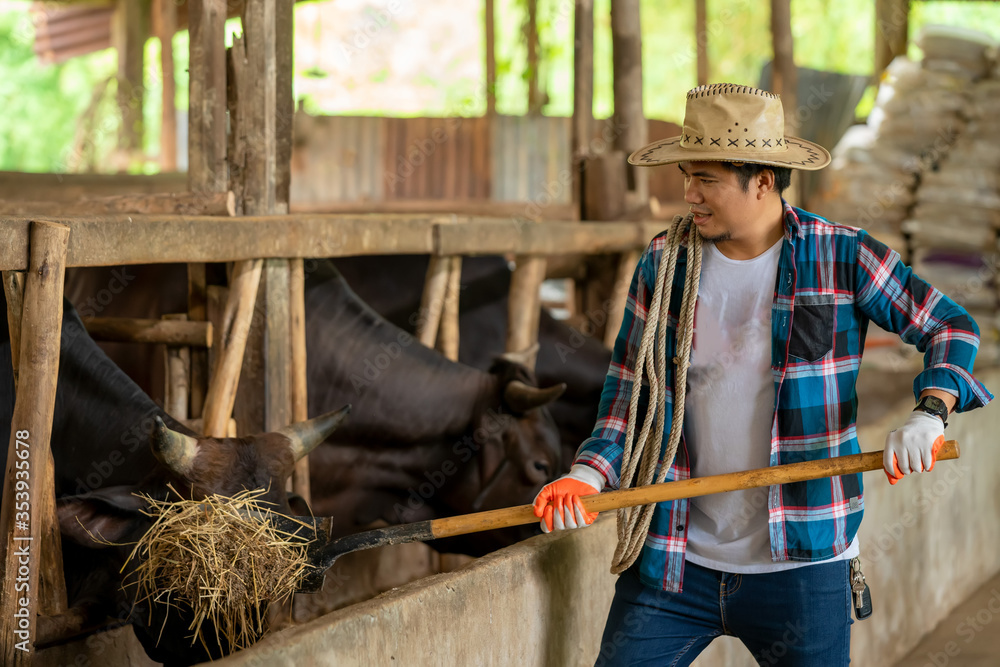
(305, 436)
(522, 397)
(525, 357)
(174, 450)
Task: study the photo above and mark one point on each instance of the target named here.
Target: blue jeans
(799, 617)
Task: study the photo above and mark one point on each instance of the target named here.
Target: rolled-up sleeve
(895, 298)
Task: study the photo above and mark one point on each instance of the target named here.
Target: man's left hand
(914, 447)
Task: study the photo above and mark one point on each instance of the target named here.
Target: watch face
(934, 403)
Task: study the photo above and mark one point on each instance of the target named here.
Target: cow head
(517, 439)
(198, 467)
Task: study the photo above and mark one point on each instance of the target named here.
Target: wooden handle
(688, 488)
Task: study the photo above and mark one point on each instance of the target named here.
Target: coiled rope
(633, 522)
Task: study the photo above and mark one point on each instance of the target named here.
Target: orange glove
(914, 447)
(554, 502)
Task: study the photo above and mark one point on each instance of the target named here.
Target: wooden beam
(531, 39)
(524, 303)
(892, 24)
(207, 94)
(178, 203)
(30, 533)
(168, 331)
(299, 374)
(151, 240)
(177, 373)
(481, 207)
(197, 312)
(130, 27)
(629, 122)
(619, 295)
(432, 300)
(448, 333)
(166, 25)
(583, 95)
(228, 362)
(13, 287)
(491, 59)
(701, 39)
(784, 76)
(277, 346)
(69, 187)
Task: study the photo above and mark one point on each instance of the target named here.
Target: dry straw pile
(224, 557)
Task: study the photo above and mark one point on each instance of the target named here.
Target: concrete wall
(927, 544)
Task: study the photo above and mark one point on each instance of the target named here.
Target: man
(783, 305)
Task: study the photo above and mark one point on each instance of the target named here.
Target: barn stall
(258, 226)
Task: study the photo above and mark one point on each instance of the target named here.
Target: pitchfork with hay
(227, 558)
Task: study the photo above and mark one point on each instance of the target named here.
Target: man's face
(721, 208)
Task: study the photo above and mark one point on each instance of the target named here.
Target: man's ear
(765, 183)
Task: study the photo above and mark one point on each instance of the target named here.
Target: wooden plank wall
(345, 158)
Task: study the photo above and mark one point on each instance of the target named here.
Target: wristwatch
(933, 405)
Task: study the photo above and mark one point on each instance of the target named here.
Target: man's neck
(769, 229)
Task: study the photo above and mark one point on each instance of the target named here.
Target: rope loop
(642, 464)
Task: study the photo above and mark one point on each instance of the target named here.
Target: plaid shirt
(831, 281)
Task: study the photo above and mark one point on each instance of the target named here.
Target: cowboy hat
(729, 123)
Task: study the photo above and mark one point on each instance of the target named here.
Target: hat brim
(800, 154)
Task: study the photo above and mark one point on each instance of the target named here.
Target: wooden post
(233, 338)
(524, 303)
(197, 312)
(262, 89)
(892, 22)
(531, 37)
(32, 553)
(785, 79)
(448, 338)
(207, 94)
(166, 26)
(13, 287)
(129, 31)
(171, 330)
(619, 295)
(177, 374)
(630, 127)
(701, 39)
(207, 150)
(300, 397)
(583, 95)
(432, 300)
(491, 60)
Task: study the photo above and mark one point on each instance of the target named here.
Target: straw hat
(730, 123)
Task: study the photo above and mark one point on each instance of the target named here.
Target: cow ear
(99, 519)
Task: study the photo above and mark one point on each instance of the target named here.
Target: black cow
(110, 441)
(392, 286)
(409, 404)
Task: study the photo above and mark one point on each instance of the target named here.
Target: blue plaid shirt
(831, 281)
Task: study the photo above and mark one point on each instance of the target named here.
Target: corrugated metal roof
(64, 32)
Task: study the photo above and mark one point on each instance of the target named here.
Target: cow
(409, 404)
(428, 437)
(109, 442)
(391, 285)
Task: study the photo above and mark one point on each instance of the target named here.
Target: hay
(222, 558)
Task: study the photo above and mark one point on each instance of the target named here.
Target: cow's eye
(541, 466)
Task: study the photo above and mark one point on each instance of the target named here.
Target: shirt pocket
(812, 330)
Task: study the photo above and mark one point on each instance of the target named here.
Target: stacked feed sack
(918, 114)
(952, 227)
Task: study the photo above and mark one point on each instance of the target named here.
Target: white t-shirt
(729, 410)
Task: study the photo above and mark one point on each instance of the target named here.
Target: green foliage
(42, 103)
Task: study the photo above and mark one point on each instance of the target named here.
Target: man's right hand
(558, 503)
